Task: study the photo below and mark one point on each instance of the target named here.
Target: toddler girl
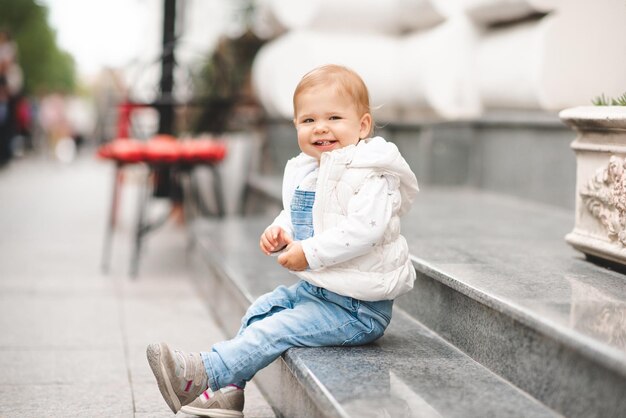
(339, 233)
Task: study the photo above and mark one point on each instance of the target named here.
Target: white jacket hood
(376, 153)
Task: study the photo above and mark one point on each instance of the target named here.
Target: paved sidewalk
(72, 340)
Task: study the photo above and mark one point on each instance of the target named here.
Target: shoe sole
(154, 354)
(211, 413)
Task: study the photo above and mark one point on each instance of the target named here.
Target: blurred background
(469, 91)
(452, 80)
(68, 66)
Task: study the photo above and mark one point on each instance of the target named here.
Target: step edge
(607, 356)
(452, 346)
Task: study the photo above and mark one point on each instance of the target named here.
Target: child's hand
(274, 239)
(293, 258)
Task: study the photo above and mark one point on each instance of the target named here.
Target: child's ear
(366, 126)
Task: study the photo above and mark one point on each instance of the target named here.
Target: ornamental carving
(605, 198)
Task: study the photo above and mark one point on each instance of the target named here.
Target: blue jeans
(301, 315)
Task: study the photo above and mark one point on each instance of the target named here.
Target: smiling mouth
(323, 143)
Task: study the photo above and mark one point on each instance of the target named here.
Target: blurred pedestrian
(56, 126)
(7, 121)
(9, 66)
(8, 51)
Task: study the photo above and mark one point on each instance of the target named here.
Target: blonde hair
(346, 82)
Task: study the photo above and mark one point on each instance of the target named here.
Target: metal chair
(161, 154)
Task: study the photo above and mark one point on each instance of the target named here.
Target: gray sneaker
(181, 376)
(225, 403)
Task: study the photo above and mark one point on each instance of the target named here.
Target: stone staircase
(505, 319)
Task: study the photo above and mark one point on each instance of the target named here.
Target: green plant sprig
(608, 101)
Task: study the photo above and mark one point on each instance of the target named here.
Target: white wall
(454, 58)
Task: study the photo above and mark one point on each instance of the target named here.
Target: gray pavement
(72, 340)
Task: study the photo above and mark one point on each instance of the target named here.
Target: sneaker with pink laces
(181, 376)
(225, 403)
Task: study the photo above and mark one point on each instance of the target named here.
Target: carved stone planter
(600, 228)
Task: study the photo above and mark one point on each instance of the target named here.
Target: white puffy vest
(383, 273)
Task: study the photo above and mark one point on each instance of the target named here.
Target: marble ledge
(511, 256)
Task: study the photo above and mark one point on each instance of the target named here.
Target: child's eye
(307, 120)
(335, 117)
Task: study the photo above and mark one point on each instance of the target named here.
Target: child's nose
(321, 127)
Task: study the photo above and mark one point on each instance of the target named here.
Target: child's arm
(368, 215)
(274, 239)
(283, 220)
(277, 233)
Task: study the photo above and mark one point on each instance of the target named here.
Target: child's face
(326, 120)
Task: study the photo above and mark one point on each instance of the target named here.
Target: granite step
(410, 372)
(497, 280)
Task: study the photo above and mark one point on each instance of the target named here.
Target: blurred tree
(45, 66)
